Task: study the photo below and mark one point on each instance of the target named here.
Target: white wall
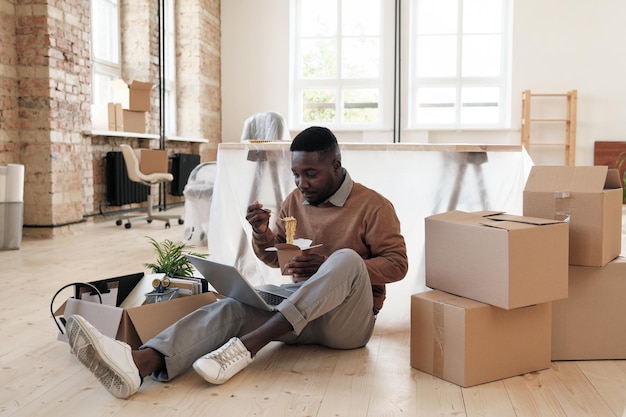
(558, 45)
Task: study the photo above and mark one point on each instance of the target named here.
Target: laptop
(228, 281)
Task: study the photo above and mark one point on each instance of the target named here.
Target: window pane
(482, 16)
(105, 31)
(481, 105)
(436, 105)
(102, 92)
(436, 56)
(361, 105)
(360, 58)
(481, 55)
(319, 58)
(318, 17)
(437, 16)
(360, 17)
(318, 106)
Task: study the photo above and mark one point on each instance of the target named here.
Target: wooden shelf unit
(571, 99)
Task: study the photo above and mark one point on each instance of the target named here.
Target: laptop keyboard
(271, 299)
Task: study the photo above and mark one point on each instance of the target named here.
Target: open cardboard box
(591, 196)
(133, 95)
(133, 325)
(503, 260)
(287, 251)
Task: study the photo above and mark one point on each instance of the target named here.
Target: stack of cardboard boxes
(591, 322)
(497, 279)
(132, 102)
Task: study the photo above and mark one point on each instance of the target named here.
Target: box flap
(139, 85)
(613, 180)
(522, 219)
(150, 319)
(103, 317)
(566, 178)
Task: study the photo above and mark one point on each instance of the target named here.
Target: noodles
(290, 228)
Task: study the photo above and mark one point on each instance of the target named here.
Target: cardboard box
(135, 325)
(591, 197)
(287, 251)
(502, 260)
(468, 343)
(133, 121)
(134, 95)
(119, 117)
(153, 161)
(591, 323)
(111, 116)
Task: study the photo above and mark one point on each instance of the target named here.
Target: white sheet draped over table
(419, 179)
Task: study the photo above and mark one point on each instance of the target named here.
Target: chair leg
(149, 216)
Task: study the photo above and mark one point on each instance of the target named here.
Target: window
(105, 49)
(339, 72)
(170, 67)
(459, 72)
(455, 57)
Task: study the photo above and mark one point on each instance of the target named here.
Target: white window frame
(339, 84)
(169, 31)
(105, 36)
(409, 83)
(458, 82)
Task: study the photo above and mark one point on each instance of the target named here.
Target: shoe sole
(88, 352)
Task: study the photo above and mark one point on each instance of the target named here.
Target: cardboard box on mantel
(591, 196)
(469, 343)
(133, 95)
(502, 260)
(591, 323)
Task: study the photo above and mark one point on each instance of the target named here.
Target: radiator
(120, 189)
(182, 165)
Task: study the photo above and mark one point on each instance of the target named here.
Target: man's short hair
(316, 139)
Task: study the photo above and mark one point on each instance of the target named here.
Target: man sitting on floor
(340, 285)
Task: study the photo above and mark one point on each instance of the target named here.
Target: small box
(287, 251)
(133, 325)
(111, 117)
(591, 323)
(590, 197)
(134, 95)
(153, 161)
(119, 117)
(469, 343)
(133, 121)
(502, 260)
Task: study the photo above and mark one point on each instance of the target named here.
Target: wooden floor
(39, 377)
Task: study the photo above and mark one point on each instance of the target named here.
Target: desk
(419, 180)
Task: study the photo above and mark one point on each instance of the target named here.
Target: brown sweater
(366, 223)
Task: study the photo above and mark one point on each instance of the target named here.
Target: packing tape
(439, 339)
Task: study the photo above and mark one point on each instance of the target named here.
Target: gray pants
(333, 308)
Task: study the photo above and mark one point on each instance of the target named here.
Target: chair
(135, 175)
(198, 194)
(265, 126)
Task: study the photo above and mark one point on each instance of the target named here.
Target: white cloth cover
(420, 180)
(265, 126)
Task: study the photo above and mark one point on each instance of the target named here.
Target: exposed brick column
(8, 84)
(199, 99)
(54, 79)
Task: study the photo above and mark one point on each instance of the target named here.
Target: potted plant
(171, 259)
(172, 262)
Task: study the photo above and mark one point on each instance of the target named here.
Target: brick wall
(45, 98)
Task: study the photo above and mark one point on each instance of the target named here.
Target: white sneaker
(109, 360)
(222, 364)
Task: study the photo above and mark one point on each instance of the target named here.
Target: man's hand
(302, 267)
(258, 217)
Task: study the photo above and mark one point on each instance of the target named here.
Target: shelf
(569, 144)
(151, 136)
